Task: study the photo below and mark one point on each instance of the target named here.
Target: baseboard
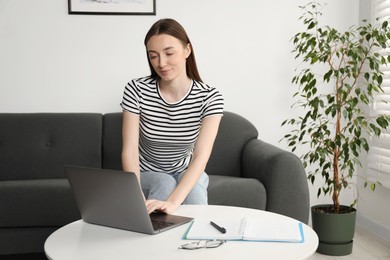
(377, 229)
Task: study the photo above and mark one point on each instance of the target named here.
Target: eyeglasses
(202, 244)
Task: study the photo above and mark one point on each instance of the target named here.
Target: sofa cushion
(235, 191)
(112, 141)
(37, 145)
(234, 132)
(34, 203)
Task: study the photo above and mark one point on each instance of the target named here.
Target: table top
(80, 240)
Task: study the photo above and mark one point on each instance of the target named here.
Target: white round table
(80, 240)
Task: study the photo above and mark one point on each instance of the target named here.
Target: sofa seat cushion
(236, 191)
(37, 203)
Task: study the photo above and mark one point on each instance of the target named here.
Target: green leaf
(302, 136)
(376, 130)
(311, 25)
(292, 143)
(382, 122)
(385, 24)
(314, 59)
(380, 79)
(367, 76)
(365, 145)
(327, 75)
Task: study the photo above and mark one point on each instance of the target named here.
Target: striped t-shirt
(168, 131)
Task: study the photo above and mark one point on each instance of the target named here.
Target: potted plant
(340, 78)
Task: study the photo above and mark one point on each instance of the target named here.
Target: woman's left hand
(163, 206)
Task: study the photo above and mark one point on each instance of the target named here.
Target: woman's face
(168, 56)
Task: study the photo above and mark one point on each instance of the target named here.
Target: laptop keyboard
(158, 224)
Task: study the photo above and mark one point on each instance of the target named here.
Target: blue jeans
(157, 185)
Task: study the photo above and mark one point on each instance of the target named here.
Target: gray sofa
(35, 197)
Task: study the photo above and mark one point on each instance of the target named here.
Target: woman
(170, 121)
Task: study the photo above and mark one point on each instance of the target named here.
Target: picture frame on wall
(112, 7)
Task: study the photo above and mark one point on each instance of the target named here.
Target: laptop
(114, 199)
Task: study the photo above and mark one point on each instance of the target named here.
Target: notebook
(248, 229)
(114, 199)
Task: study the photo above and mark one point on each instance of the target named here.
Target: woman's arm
(201, 155)
(130, 139)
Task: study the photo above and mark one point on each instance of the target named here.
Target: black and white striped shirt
(168, 131)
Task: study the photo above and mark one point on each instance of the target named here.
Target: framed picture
(120, 7)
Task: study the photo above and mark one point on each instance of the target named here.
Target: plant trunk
(336, 153)
(336, 188)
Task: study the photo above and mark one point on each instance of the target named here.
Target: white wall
(54, 62)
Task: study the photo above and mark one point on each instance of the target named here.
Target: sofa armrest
(283, 176)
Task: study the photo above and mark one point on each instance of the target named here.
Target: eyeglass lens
(203, 244)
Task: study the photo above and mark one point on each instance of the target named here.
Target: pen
(220, 229)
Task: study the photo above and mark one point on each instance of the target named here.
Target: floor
(366, 246)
